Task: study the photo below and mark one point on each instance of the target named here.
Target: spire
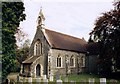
(41, 18)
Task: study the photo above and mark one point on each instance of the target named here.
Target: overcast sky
(75, 18)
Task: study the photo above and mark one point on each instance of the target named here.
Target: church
(54, 53)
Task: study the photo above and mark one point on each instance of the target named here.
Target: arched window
(72, 61)
(83, 61)
(37, 48)
(59, 61)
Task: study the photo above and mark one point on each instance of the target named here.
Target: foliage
(107, 33)
(12, 14)
(20, 37)
(22, 53)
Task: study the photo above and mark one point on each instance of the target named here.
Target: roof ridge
(63, 41)
(65, 34)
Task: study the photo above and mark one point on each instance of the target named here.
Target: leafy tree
(107, 33)
(12, 14)
(22, 53)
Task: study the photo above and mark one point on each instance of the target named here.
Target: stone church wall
(45, 48)
(33, 66)
(49, 57)
(66, 68)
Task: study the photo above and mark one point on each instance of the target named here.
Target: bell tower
(40, 19)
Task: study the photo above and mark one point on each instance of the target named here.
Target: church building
(54, 53)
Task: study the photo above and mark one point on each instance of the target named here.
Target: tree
(21, 36)
(12, 14)
(22, 53)
(107, 33)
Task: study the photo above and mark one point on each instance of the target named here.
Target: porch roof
(30, 60)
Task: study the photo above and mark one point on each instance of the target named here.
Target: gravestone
(83, 81)
(91, 80)
(72, 82)
(59, 81)
(20, 82)
(102, 80)
(44, 77)
(23, 79)
(38, 80)
(57, 76)
(45, 81)
(112, 81)
(51, 78)
(30, 80)
(66, 79)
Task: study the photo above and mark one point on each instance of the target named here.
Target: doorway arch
(38, 70)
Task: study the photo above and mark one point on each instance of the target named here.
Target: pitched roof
(30, 60)
(65, 42)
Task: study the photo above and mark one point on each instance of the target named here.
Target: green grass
(77, 78)
(84, 78)
(80, 77)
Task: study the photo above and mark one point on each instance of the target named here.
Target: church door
(38, 68)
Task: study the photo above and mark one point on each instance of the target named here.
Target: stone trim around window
(37, 48)
(59, 62)
(72, 61)
(83, 61)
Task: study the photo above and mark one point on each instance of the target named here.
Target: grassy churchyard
(70, 79)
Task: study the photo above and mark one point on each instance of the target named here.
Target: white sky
(72, 17)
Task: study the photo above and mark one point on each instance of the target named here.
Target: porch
(31, 67)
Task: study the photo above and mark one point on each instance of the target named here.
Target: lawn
(80, 78)
(77, 78)
(85, 78)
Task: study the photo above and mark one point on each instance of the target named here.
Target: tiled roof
(30, 60)
(65, 42)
